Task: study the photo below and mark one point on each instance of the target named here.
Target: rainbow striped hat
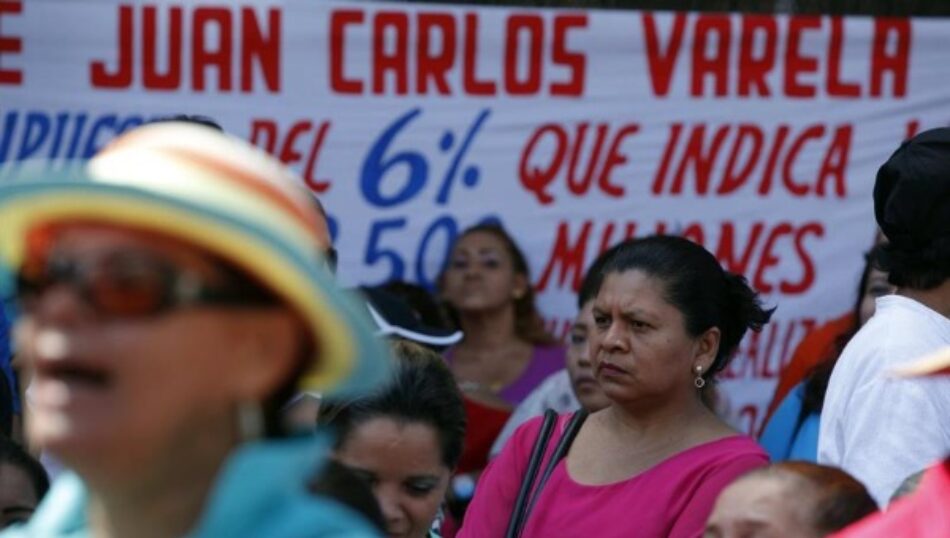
(222, 194)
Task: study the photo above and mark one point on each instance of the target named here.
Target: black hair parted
(696, 284)
(421, 390)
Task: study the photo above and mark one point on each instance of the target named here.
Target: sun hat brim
(348, 358)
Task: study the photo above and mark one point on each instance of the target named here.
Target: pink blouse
(672, 499)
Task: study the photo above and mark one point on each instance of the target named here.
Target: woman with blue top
(792, 431)
(173, 299)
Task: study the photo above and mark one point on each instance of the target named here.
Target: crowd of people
(184, 363)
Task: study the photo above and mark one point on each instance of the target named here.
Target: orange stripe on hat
(307, 217)
(252, 170)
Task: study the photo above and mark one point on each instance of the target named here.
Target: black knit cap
(912, 191)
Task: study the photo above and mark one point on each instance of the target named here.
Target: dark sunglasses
(127, 284)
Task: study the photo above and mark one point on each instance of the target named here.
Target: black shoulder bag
(523, 505)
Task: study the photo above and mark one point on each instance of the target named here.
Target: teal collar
(262, 491)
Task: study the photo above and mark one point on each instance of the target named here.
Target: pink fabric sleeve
(692, 520)
(498, 486)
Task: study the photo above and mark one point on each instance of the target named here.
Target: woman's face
(402, 462)
(112, 392)
(876, 286)
(586, 388)
(761, 507)
(639, 344)
(480, 274)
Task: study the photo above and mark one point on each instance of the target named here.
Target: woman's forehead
(480, 241)
(630, 285)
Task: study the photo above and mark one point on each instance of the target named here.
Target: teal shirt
(261, 493)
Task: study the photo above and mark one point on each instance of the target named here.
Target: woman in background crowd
(799, 499)
(404, 440)
(23, 483)
(575, 386)
(505, 352)
(666, 319)
(173, 300)
(792, 431)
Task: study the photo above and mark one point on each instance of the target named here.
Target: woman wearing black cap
(878, 430)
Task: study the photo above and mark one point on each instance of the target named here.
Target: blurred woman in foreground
(173, 300)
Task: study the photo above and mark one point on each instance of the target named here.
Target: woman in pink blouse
(666, 320)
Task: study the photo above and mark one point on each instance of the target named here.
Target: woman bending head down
(405, 439)
(173, 298)
(666, 319)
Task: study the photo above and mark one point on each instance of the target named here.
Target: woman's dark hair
(919, 268)
(528, 323)
(594, 277)
(13, 454)
(816, 382)
(423, 304)
(838, 499)
(341, 484)
(696, 284)
(422, 390)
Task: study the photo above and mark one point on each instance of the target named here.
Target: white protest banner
(758, 136)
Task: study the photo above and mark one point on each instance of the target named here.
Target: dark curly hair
(421, 389)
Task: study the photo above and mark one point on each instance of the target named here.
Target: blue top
(780, 438)
(261, 492)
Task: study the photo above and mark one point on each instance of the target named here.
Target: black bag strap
(524, 505)
(560, 452)
(567, 439)
(537, 454)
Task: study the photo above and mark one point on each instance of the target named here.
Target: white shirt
(877, 427)
(555, 392)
